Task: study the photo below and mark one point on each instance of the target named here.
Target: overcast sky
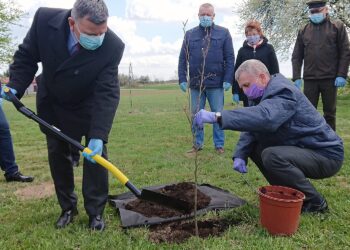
(151, 29)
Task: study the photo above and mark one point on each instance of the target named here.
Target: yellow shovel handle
(109, 166)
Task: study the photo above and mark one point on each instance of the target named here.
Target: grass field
(148, 142)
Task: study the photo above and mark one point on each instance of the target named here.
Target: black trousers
(325, 87)
(95, 178)
(292, 166)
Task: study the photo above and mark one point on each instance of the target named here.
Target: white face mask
(253, 40)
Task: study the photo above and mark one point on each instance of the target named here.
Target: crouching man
(282, 133)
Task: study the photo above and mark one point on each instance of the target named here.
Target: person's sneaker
(312, 207)
(220, 151)
(193, 150)
(18, 176)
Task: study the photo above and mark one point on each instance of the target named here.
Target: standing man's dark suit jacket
(78, 94)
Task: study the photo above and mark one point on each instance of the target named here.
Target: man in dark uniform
(78, 93)
(323, 45)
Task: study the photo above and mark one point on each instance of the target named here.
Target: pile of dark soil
(180, 231)
(183, 191)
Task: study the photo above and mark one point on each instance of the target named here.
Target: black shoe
(312, 207)
(96, 223)
(18, 177)
(66, 218)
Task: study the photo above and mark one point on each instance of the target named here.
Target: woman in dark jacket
(255, 46)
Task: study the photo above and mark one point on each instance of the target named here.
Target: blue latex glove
(235, 98)
(298, 83)
(5, 96)
(96, 145)
(340, 82)
(0, 102)
(240, 165)
(226, 86)
(183, 86)
(202, 117)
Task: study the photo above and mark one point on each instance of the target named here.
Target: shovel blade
(165, 200)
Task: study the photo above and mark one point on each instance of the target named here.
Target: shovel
(143, 194)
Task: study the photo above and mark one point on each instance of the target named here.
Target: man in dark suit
(78, 93)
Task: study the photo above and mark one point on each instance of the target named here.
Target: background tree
(144, 79)
(281, 19)
(9, 15)
(123, 79)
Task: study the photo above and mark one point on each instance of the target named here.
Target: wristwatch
(218, 117)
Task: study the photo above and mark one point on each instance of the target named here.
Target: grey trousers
(292, 166)
(95, 178)
(325, 87)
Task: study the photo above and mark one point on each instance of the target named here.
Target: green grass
(148, 142)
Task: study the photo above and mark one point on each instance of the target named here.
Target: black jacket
(264, 53)
(325, 50)
(79, 94)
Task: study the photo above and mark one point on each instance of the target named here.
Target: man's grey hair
(251, 67)
(207, 5)
(95, 10)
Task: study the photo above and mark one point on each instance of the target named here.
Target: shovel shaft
(111, 168)
(115, 171)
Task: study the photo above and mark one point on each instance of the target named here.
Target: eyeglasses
(316, 10)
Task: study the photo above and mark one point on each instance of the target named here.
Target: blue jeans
(7, 155)
(215, 98)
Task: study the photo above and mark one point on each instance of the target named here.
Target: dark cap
(316, 3)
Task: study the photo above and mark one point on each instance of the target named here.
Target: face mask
(90, 42)
(205, 21)
(254, 92)
(253, 40)
(317, 18)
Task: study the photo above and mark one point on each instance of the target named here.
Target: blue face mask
(253, 40)
(205, 21)
(90, 42)
(317, 18)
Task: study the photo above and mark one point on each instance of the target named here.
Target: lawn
(148, 142)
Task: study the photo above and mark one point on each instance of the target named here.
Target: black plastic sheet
(220, 200)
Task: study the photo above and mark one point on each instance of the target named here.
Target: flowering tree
(9, 15)
(281, 19)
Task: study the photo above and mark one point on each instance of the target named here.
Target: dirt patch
(177, 232)
(343, 182)
(40, 191)
(183, 191)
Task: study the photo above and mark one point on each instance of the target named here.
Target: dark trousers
(7, 155)
(95, 178)
(325, 87)
(292, 166)
(244, 98)
(75, 154)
